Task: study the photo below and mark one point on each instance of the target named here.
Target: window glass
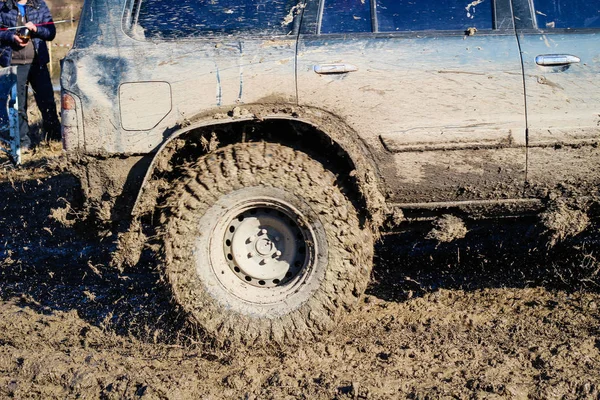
(417, 15)
(567, 13)
(184, 18)
(346, 16)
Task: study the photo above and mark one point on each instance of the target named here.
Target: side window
(168, 19)
(441, 15)
(346, 16)
(406, 15)
(567, 14)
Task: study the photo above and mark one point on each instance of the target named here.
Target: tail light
(70, 125)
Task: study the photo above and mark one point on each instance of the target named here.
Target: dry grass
(35, 163)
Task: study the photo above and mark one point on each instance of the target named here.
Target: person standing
(26, 49)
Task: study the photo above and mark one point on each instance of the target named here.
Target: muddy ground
(494, 315)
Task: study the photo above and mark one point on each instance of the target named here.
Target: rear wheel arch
(204, 186)
(338, 147)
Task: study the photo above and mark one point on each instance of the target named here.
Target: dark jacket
(38, 13)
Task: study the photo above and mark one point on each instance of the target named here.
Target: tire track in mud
(493, 315)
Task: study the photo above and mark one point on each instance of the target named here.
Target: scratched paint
(471, 7)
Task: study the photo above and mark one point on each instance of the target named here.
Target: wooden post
(50, 54)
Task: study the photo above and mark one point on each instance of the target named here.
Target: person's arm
(44, 32)
(6, 37)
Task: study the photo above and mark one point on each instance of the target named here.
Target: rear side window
(170, 19)
(410, 15)
(346, 16)
(567, 14)
(405, 15)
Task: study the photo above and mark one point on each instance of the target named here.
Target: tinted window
(406, 15)
(415, 15)
(184, 18)
(567, 13)
(346, 16)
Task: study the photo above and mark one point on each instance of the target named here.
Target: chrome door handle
(550, 60)
(325, 69)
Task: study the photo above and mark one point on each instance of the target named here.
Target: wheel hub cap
(265, 247)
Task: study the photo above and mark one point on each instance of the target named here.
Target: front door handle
(549, 60)
(325, 69)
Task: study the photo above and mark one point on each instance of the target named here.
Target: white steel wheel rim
(263, 250)
(265, 247)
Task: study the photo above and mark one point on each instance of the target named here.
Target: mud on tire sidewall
(208, 187)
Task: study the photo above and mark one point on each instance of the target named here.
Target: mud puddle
(494, 315)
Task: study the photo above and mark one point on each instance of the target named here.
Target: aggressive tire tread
(350, 246)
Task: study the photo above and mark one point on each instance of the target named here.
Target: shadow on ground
(508, 253)
(50, 266)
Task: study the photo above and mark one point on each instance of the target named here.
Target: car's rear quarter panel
(202, 74)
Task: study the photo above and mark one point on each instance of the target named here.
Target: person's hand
(31, 26)
(20, 41)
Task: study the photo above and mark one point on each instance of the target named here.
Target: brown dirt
(563, 222)
(447, 228)
(493, 315)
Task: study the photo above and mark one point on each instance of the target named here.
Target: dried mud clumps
(562, 221)
(447, 229)
(62, 215)
(395, 218)
(130, 245)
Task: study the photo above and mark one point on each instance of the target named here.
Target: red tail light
(67, 102)
(69, 122)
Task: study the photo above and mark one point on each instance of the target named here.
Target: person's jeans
(39, 79)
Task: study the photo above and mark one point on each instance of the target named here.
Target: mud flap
(10, 140)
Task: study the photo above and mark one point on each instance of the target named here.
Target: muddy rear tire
(261, 244)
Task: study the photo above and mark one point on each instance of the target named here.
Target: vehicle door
(433, 88)
(560, 41)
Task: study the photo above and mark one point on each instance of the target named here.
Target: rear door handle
(549, 60)
(325, 69)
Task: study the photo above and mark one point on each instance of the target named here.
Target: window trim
(374, 22)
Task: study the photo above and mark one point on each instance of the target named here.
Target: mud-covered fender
(365, 171)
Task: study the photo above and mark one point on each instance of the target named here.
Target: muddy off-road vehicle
(259, 147)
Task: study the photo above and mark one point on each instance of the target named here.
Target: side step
(471, 209)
